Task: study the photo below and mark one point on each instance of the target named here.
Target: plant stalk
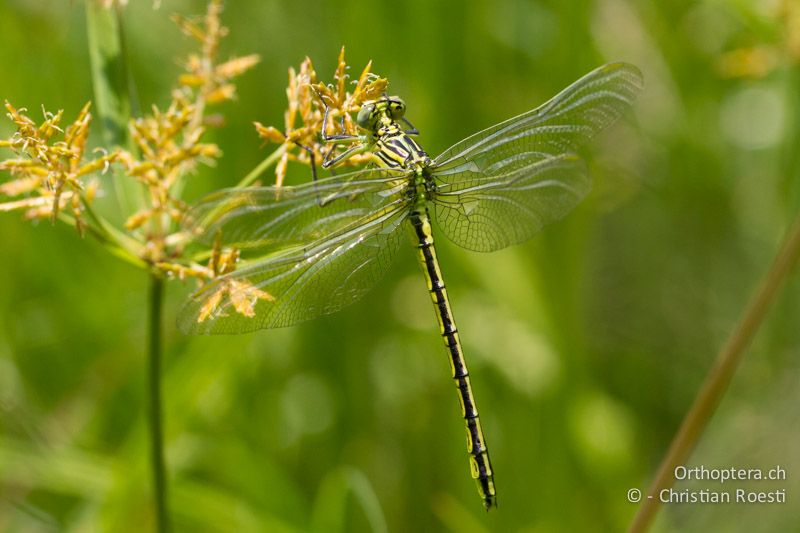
(263, 166)
(719, 377)
(155, 404)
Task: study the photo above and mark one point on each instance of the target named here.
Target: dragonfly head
(386, 108)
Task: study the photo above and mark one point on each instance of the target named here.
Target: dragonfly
(319, 247)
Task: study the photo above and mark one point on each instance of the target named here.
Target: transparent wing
(566, 121)
(264, 218)
(357, 236)
(488, 215)
(502, 185)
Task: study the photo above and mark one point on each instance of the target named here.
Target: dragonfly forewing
(502, 185)
(322, 249)
(269, 218)
(563, 123)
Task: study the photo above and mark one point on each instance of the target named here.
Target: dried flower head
(212, 80)
(170, 142)
(51, 169)
(304, 115)
(242, 295)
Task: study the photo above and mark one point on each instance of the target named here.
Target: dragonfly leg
(342, 137)
(350, 152)
(313, 162)
(412, 129)
(312, 159)
(330, 160)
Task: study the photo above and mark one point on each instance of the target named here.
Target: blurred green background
(586, 345)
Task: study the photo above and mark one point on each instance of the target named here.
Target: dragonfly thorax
(394, 148)
(392, 145)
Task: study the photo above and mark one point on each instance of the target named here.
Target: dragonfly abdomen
(480, 465)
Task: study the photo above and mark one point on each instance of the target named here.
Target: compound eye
(364, 117)
(397, 108)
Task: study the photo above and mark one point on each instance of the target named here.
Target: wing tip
(632, 72)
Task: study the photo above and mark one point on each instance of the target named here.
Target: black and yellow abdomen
(480, 465)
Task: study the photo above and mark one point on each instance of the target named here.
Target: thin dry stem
(719, 377)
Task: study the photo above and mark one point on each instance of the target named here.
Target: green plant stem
(111, 244)
(118, 242)
(155, 404)
(270, 160)
(719, 377)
